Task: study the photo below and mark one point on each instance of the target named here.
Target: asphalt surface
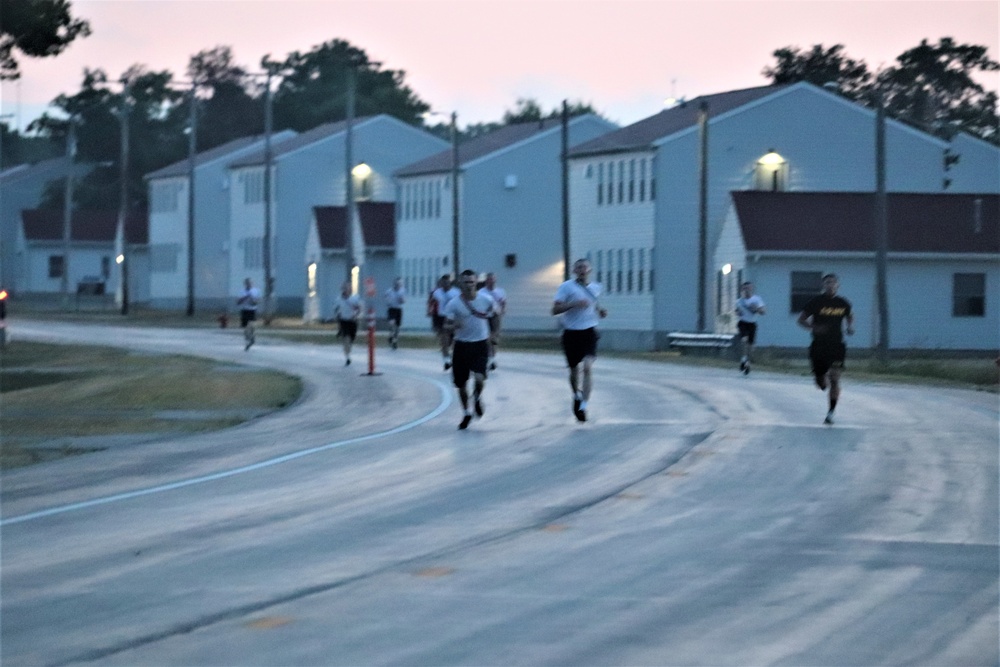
(698, 518)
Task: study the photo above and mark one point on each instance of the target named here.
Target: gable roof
(85, 226)
(318, 133)
(643, 133)
(478, 147)
(378, 224)
(845, 221)
(52, 168)
(180, 168)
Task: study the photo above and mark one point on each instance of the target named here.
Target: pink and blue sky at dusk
(626, 57)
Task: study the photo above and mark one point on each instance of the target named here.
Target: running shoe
(493, 365)
(746, 368)
(743, 365)
(829, 418)
(576, 405)
(581, 415)
(479, 408)
(447, 365)
(465, 422)
(348, 362)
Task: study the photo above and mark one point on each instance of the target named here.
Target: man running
(824, 316)
(438, 299)
(347, 309)
(499, 296)
(748, 307)
(467, 316)
(247, 301)
(576, 302)
(395, 297)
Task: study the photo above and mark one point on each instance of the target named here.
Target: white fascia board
(802, 85)
(870, 255)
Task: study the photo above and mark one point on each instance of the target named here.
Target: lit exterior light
(119, 259)
(727, 269)
(362, 171)
(772, 159)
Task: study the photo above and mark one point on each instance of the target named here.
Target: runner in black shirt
(824, 316)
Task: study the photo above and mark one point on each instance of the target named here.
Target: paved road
(699, 518)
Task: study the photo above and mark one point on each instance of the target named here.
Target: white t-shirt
(578, 318)
(347, 308)
(443, 297)
(395, 298)
(743, 308)
(471, 319)
(249, 298)
(499, 296)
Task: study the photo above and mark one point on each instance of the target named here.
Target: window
(163, 257)
(253, 187)
(642, 268)
(600, 267)
(56, 266)
(620, 266)
(253, 252)
(631, 269)
(105, 267)
(611, 182)
(631, 180)
(805, 285)
(969, 295)
(600, 184)
(164, 197)
(621, 181)
(642, 179)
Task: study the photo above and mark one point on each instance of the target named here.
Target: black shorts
(825, 355)
(468, 358)
(747, 330)
(437, 322)
(578, 344)
(396, 315)
(348, 329)
(247, 316)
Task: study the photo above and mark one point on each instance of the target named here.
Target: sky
(477, 57)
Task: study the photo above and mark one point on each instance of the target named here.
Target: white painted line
(446, 398)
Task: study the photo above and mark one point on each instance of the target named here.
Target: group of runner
(466, 318)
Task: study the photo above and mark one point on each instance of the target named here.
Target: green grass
(61, 400)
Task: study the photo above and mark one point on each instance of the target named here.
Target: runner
(438, 299)
(748, 307)
(576, 302)
(395, 297)
(467, 316)
(499, 296)
(824, 317)
(347, 309)
(247, 301)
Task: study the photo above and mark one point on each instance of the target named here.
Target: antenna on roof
(673, 100)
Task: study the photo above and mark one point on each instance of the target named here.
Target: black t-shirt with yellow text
(828, 313)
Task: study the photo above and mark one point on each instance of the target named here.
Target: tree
(37, 29)
(314, 89)
(529, 109)
(931, 86)
(228, 109)
(820, 66)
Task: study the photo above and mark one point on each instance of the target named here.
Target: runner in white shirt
(247, 301)
(499, 296)
(576, 301)
(347, 309)
(436, 302)
(467, 316)
(748, 307)
(395, 297)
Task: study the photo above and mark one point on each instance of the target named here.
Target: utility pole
(192, 150)
(881, 235)
(268, 158)
(123, 196)
(454, 195)
(350, 242)
(702, 210)
(564, 159)
(68, 209)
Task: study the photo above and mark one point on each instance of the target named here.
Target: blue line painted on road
(442, 406)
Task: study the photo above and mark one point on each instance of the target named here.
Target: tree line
(931, 86)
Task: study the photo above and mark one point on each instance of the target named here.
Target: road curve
(700, 517)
